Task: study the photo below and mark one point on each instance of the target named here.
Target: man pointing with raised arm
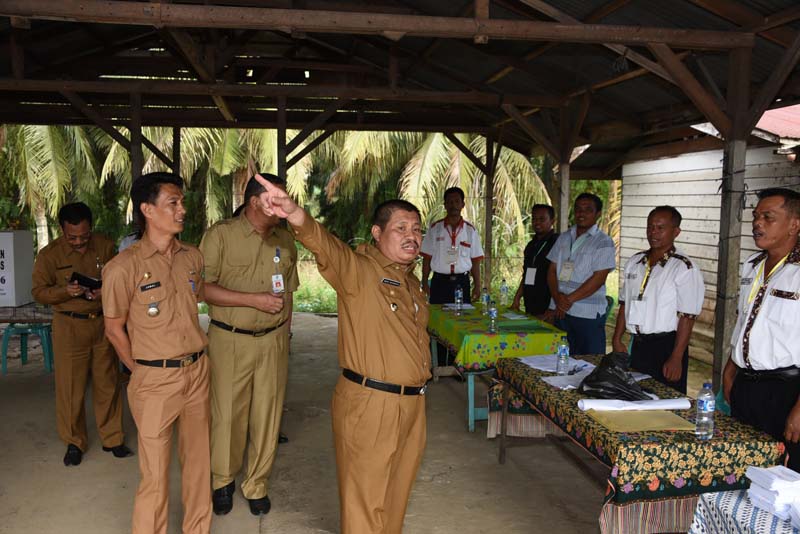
(378, 406)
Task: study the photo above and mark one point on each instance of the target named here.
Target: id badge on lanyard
(567, 268)
(277, 278)
(452, 255)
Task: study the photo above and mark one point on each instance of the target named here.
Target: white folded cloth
(775, 478)
(616, 405)
(776, 498)
(549, 362)
(781, 512)
(567, 381)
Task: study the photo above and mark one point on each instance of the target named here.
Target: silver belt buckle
(423, 389)
(187, 361)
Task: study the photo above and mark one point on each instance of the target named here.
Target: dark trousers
(650, 352)
(585, 336)
(443, 288)
(765, 403)
(443, 291)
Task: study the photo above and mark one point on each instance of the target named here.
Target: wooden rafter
(778, 75)
(211, 16)
(790, 14)
(467, 152)
(745, 17)
(534, 132)
(693, 89)
(318, 140)
(317, 123)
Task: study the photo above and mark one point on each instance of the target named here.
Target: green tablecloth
(650, 465)
(477, 350)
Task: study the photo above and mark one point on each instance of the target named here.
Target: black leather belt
(235, 330)
(658, 335)
(76, 315)
(784, 373)
(383, 386)
(451, 276)
(185, 361)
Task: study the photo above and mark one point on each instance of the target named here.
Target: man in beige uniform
(79, 342)
(152, 288)
(378, 406)
(250, 274)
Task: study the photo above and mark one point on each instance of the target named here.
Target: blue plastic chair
(43, 330)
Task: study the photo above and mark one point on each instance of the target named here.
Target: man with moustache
(452, 250)
(661, 295)
(250, 275)
(150, 295)
(378, 406)
(79, 344)
(761, 380)
(533, 286)
(580, 261)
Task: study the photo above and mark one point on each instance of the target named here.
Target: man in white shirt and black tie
(661, 295)
(761, 380)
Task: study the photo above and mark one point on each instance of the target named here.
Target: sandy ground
(460, 487)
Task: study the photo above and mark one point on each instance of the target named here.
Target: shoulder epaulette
(684, 259)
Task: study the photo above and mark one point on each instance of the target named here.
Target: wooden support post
(563, 196)
(734, 161)
(281, 167)
(137, 158)
(489, 202)
(17, 54)
(176, 151)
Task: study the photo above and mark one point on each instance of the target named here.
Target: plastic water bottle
(459, 300)
(706, 403)
(562, 363)
(503, 293)
(492, 318)
(485, 301)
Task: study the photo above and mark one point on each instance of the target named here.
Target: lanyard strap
(544, 244)
(455, 232)
(758, 282)
(576, 245)
(646, 279)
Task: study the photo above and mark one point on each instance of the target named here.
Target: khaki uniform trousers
(81, 349)
(379, 439)
(158, 398)
(248, 385)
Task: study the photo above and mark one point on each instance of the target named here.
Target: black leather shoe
(120, 451)
(260, 506)
(222, 499)
(74, 455)
(283, 438)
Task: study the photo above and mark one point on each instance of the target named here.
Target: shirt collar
(793, 257)
(148, 249)
(591, 231)
(662, 261)
(375, 253)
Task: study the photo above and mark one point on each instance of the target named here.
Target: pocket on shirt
(783, 306)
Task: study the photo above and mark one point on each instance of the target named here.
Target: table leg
(501, 457)
(434, 359)
(471, 402)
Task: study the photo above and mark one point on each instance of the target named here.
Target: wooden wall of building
(691, 183)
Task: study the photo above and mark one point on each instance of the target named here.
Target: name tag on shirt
(636, 311)
(746, 281)
(391, 282)
(631, 276)
(277, 283)
(530, 276)
(567, 268)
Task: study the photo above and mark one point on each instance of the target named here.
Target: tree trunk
(42, 233)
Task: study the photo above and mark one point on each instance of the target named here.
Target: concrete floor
(460, 488)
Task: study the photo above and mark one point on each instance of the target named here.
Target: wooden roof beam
(691, 87)
(191, 52)
(211, 16)
(769, 90)
(466, 151)
(315, 124)
(251, 90)
(534, 132)
(745, 17)
(780, 18)
(318, 140)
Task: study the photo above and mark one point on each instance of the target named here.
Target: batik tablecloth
(477, 350)
(650, 465)
(731, 512)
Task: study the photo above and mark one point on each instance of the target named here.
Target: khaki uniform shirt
(140, 278)
(383, 313)
(55, 264)
(238, 258)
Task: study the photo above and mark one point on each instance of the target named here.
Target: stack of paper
(776, 490)
(616, 405)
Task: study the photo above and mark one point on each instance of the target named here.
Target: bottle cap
(707, 385)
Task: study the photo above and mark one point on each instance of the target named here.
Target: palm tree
(46, 162)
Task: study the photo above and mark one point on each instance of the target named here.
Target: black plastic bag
(611, 380)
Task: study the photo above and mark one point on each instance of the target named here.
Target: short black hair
(385, 210)
(146, 189)
(598, 204)
(791, 198)
(254, 188)
(674, 213)
(74, 213)
(454, 190)
(550, 210)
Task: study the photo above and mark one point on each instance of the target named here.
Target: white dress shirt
(656, 297)
(767, 333)
(452, 250)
